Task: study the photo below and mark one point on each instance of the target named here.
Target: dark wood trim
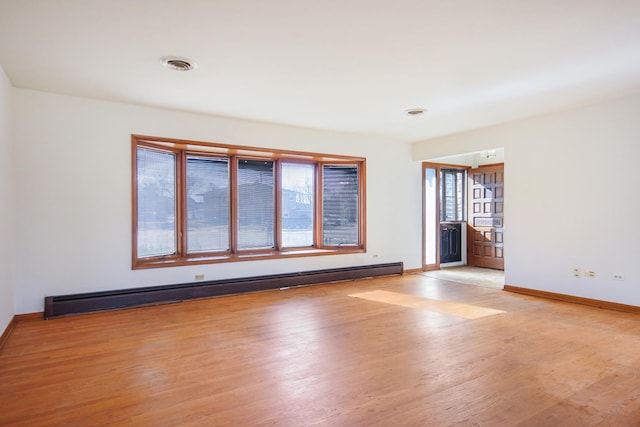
(362, 205)
(317, 213)
(7, 331)
(493, 167)
(277, 218)
(181, 204)
(247, 256)
(172, 144)
(64, 305)
(446, 165)
(233, 201)
(488, 165)
(29, 317)
(18, 318)
(574, 299)
(134, 202)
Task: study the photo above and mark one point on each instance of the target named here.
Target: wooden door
(485, 232)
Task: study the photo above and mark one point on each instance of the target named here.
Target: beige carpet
(485, 277)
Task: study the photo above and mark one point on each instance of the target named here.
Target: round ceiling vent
(178, 64)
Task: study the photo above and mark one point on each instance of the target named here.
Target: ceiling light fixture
(415, 111)
(178, 64)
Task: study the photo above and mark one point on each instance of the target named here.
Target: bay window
(196, 202)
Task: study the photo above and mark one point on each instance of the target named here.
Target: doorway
(444, 212)
(485, 226)
(482, 214)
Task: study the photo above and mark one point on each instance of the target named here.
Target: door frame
(436, 225)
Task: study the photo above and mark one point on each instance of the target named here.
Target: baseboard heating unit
(65, 305)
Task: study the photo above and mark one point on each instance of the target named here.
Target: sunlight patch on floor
(465, 311)
(477, 276)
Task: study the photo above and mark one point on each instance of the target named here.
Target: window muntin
(231, 203)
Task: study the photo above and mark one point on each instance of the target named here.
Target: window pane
(340, 205)
(297, 204)
(207, 204)
(156, 186)
(451, 195)
(255, 204)
(430, 220)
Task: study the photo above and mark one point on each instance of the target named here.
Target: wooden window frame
(183, 148)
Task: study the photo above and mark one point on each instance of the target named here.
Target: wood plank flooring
(316, 356)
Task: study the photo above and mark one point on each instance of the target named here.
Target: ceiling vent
(415, 112)
(178, 64)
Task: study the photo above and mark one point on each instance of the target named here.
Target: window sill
(178, 262)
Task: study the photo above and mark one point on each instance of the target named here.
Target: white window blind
(255, 204)
(340, 205)
(156, 204)
(207, 204)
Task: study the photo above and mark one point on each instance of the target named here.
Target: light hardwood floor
(479, 276)
(390, 355)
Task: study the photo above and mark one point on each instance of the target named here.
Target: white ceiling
(346, 65)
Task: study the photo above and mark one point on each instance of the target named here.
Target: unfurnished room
(319, 213)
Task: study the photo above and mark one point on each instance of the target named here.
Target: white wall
(6, 207)
(73, 194)
(571, 197)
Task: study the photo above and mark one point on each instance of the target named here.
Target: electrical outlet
(618, 276)
(589, 273)
(199, 276)
(576, 272)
